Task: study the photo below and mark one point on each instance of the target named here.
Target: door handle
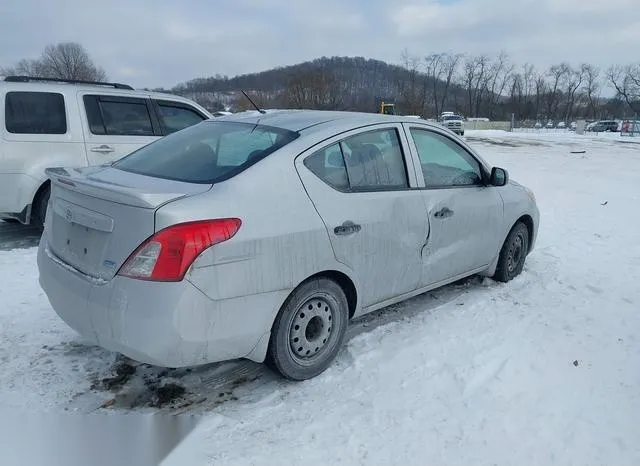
(445, 212)
(104, 149)
(347, 228)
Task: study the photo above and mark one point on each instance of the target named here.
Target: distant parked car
(261, 236)
(603, 126)
(49, 122)
(561, 125)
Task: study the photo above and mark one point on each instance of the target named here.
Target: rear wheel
(39, 211)
(309, 330)
(513, 253)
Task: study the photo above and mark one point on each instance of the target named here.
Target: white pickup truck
(453, 122)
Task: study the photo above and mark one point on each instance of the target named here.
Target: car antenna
(253, 103)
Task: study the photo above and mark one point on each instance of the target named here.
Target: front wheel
(309, 330)
(513, 253)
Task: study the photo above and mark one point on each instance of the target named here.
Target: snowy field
(543, 370)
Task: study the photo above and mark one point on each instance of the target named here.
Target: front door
(465, 215)
(360, 186)
(115, 126)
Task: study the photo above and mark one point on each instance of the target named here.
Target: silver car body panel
(226, 304)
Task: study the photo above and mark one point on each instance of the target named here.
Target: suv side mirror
(499, 176)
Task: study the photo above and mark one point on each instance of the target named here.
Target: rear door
(360, 184)
(465, 215)
(115, 126)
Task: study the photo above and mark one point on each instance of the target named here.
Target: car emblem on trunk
(69, 215)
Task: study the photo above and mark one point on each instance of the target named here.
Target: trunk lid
(99, 215)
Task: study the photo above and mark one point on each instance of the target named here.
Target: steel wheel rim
(515, 253)
(311, 329)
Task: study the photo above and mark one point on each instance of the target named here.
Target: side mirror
(499, 176)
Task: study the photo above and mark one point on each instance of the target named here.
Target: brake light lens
(168, 254)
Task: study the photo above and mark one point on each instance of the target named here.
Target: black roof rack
(26, 79)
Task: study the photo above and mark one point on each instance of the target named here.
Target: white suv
(49, 123)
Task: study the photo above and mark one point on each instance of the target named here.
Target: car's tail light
(168, 254)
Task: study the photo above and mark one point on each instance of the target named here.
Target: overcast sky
(163, 42)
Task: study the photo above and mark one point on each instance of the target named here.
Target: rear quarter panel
(282, 240)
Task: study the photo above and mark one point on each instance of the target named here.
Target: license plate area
(79, 237)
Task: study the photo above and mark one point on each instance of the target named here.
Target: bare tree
(441, 69)
(473, 79)
(592, 88)
(573, 81)
(67, 60)
(413, 93)
(497, 79)
(557, 73)
(541, 88)
(626, 82)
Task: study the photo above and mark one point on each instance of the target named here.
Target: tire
(309, 330)
(513, 253)
(462, 133)
(39, 212)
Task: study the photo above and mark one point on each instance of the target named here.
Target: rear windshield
(208, 152)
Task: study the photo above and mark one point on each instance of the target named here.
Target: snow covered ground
(543, 370)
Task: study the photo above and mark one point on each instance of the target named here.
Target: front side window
(35, 113)
(208, 152)
(176, 118)
(444, 163)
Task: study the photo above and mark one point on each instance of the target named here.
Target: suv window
(126, 116)
(35, 113)
(206, 153)
(444, 163)
(176, 117)
(365, 162)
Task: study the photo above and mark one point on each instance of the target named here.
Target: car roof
(308, 121)
(62, 86)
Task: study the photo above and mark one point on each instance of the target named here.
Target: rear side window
(370, 161)
(35, 113)
(118, 116)
(328, 165)
(206, 153)
(177, 117)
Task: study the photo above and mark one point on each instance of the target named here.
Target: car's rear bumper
(165, 324)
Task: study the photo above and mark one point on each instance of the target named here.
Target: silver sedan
(261, 236)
